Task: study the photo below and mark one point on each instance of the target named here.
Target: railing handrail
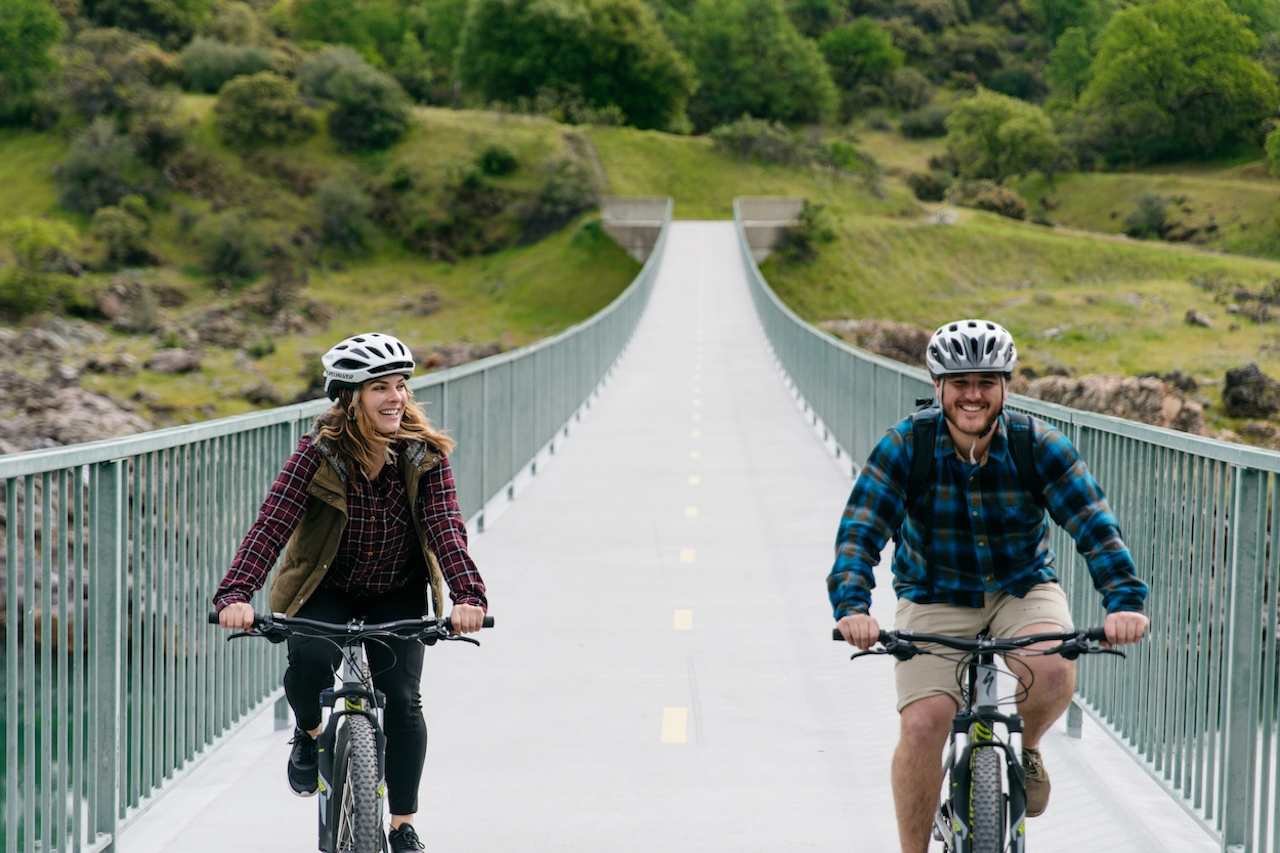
(1213, 448)
(107, 449)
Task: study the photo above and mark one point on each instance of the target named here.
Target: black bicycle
(352, 747)
(982, 810)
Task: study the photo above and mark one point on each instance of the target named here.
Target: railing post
(106, 581)
(1240, 729)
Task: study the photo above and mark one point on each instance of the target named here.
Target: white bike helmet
(362, 357)
(970, 346)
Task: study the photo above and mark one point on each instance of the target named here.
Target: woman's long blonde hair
(347, 428)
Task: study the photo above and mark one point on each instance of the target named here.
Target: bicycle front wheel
(357, 788)
(986, 801)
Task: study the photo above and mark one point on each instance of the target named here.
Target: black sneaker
(404, 839)
(303, 767)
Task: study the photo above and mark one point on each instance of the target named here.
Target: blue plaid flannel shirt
(988, 533)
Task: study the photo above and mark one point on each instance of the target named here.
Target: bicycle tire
(986, 801)
(357, 789)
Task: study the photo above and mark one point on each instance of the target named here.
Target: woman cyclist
(366, 514)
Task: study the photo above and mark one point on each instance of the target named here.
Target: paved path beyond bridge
(662, 677)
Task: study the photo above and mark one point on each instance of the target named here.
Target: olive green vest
(314, 543)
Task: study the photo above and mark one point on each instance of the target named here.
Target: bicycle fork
(972, 731)
(354, 699)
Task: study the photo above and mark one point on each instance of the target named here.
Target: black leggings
(397, 671)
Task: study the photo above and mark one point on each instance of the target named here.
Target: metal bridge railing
(113, 685)
(1196, 703)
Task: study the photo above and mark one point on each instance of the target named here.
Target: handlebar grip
(839, 638)
(213, 617)
(1095, 634)
(487, 623)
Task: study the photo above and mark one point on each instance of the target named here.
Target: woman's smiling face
(383, 400)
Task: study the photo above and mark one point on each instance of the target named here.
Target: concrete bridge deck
(662, 676)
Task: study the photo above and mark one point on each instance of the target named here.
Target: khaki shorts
(1003, 615)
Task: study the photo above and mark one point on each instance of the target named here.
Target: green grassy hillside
(513, 295)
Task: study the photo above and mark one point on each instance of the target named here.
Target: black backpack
(924, 426)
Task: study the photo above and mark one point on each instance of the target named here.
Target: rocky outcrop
(899, 341)
(1147, 399)
(173, 360)
(34, 416)
(1250, 393)
(440, 356)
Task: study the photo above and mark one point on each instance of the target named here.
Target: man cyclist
(972, 554)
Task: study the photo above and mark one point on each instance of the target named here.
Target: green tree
(169, 22)
(28, 29)
(613, 51)
(860, 51)
(261, 108)
(1263, 15)
(750, 59)
(370, 111)
(1052, 18)
(35, 247)
(1068, 68)
(1174, 79)
(813, 18)
(373, 27)
(995, 136)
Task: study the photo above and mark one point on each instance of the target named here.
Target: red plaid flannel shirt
(373, 556)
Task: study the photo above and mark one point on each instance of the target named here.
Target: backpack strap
(924, 428)
(1021, 435)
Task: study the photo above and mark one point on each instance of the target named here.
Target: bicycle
(977, 813)
(351, 748)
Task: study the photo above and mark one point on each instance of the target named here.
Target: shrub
(208, 63)
(318, 68)
(567, 105)
(103, 73)
(156, 137)
(985, 195)
(36, 246)
(371, 111)
(170, 22)
(233, 246)
(497, 160)
(1148, 217)
(758, 139)
(925, 123)
(800, 242)
(1273, 152)
(568, 192)
(344, 214)
(908, 88)
(929, 186)
(123, 233)
(98, 170)
(262, 107)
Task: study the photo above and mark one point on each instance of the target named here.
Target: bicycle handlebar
(277, 626)
(902, 644)
(964, 645)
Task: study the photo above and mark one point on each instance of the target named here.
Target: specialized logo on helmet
(363, 357)
(971, 346)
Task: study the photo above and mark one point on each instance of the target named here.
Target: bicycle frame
(356, 696)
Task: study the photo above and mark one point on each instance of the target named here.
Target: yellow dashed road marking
(683, 621)
(693, 454)
(674, 723)
(691, 512)
(696, 434)
(687, 555)
(693, 480)
(697, 417)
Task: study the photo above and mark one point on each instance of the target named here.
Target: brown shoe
(1037, 782)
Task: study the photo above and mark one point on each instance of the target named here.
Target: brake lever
(460, 639)
(865, 652)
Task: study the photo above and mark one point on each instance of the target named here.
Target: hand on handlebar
(466, 619)
(1124, 627)
(860, 630)
(237, 616)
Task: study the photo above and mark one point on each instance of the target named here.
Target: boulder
(899, 341)
(128, 303)
(1195, 318)
(118, 363)
(32, 418)
(1250, 393)
(1147, 399)
(173, 360)
(219, 328)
